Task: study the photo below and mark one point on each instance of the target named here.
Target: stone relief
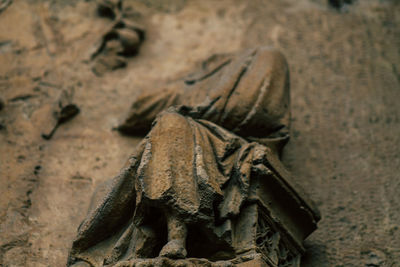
(205, 187)
(119, 42)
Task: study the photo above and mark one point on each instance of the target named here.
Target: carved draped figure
(209, 133)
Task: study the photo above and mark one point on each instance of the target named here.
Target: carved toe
(174, 249)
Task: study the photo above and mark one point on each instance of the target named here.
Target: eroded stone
(206, 182)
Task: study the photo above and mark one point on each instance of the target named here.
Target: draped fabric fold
(196, 161)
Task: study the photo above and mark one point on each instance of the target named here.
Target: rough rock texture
(206, 181)
(345, 124)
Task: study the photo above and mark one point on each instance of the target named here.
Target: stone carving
(121, 41)
(205, 187)
(64, 111)
(269, 242)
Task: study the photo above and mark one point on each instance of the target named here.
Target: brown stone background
(345, 146)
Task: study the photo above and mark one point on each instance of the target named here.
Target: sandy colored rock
(198, 170)
(344, 128)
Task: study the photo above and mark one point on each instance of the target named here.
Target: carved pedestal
(271, 229)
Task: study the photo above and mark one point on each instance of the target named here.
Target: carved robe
(209, 133)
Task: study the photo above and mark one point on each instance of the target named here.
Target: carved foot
(174, 249)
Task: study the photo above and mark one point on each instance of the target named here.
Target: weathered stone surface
(64, 110)
(345, 117)
(195, 185)
(257, 262)
(121, 40)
